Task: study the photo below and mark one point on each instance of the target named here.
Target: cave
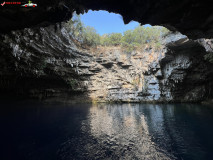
(69, 102)
(44, 62)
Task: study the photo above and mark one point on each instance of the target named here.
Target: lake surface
(38, 131)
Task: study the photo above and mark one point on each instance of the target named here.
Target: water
(105, 131)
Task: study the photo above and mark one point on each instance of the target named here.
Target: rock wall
(121, 75)
(184, 75)
(45, 62)
(40, 63)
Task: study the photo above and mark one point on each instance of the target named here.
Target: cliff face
(44, 63)
(40, 63)
(120, 75)
(175, 73)
(184, 75)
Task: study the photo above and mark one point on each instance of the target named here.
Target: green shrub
(90, 36)
(112, 39)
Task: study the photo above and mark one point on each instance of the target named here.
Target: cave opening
(97, 56)
(129, 64)
(102, 24)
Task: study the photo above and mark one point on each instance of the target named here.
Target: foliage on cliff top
(129, 40)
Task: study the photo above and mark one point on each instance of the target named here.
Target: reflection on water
(124, 130)
(106, 131)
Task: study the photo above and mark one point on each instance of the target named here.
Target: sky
(105, 22)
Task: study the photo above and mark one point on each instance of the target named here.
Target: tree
(112, 39)
(75, 27)
(115, 39)
(90, 36)
(139, 34)
(128, 37)
(105, 40)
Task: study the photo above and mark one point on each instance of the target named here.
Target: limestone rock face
(121, 76)
(44, 63)
(176, 73)
(184, 75)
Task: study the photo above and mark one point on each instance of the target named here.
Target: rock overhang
(191, 17)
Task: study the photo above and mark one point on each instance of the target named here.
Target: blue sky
(105, 22)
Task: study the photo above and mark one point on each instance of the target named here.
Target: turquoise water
(38, 131)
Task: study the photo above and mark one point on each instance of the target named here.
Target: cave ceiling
(193, 18)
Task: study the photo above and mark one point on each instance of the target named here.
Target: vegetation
(129, 40)
(112, 39)
(75, 28)
(90, 36)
